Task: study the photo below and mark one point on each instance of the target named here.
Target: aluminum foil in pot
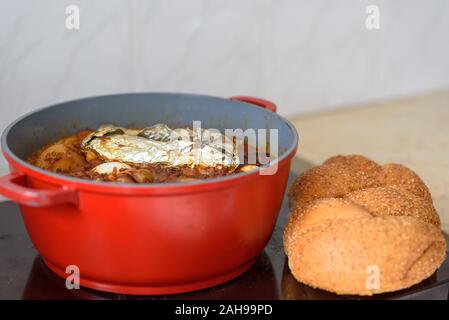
(159, 144)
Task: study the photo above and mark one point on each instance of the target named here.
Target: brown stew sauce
(66, 157)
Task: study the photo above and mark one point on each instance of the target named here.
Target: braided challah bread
(351, 218)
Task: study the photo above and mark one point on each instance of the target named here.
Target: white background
(304, 55)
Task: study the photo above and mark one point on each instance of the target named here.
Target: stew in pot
(149, 155)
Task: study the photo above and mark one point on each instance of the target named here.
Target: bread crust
(338, 176)
(350, 214)
(391, 201)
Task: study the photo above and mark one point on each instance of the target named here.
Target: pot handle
(256, 101)
(12, 187)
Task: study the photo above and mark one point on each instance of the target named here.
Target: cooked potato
(248, 168)
(141, 175)
(91, 156)
(60, 158)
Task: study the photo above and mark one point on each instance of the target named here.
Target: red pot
(155, 238)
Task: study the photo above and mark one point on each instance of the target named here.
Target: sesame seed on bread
(351, 213)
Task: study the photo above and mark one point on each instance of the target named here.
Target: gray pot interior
(32, 131)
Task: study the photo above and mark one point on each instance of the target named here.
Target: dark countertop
(24, 276)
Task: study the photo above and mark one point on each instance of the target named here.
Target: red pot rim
(122, 188)
(24, 167)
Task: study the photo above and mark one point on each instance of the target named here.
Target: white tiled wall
(305, 55)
